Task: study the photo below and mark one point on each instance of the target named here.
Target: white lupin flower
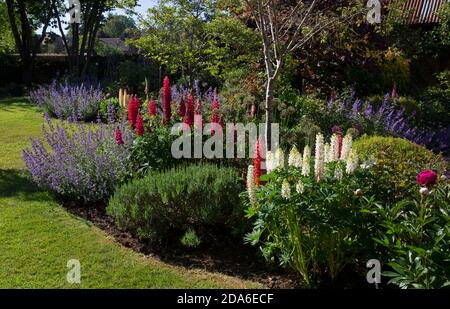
(286, 190)
(334, 148)
(295, 158)
(300, 187)
(251, 187)
(346, 147)
(306, 168)
(319, 159)
(327, 153)
(279, 159)
(338, 173)
(269, 161)
(352, 162)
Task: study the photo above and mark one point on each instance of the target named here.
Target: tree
(196, 38)
(25, 16)
(84, 35)
(117, 26)
(287, 26)
(6, 36)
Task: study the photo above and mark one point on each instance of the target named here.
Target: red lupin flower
(133, 110)
(182, 108)
(152, 108)
(166, 100)
(215, 117)
(190, 108)
(118, 134)
(139, 125)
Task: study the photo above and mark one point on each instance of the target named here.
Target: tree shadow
(16, 103)
(15, 183)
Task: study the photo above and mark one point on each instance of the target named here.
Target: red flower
(394, 92)
(199, 107)
(190, 108)
(187, 120)
(215, 117)
(427, 178)
(119, 139)
(339, 135)
(257, 163)
(182, 108)
(166, 100)
(253, 111)
(133, 110)
(139, 125)
(152, 108)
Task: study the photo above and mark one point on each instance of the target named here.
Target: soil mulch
(218, 254)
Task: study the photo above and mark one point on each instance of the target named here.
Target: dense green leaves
(193, 38)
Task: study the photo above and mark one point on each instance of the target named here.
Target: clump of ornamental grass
(83, 162)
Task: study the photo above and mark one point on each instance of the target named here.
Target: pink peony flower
(427, 178)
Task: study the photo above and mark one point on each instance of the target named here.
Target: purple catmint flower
(79, 160)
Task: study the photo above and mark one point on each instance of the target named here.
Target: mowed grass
(38, 237)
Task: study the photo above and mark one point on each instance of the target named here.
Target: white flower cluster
(324, 153)
(276, 161)
(286, 190)
(319, 158)
(352, 162)
(251, 187)
(295, 158)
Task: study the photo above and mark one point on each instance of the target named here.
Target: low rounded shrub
(398, 162)
(199, 196)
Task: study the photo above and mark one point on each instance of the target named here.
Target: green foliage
(190, 239)
(197, 195)
(7, 43)
(398, 162)
(414, 239)
(434, 106)
(114, 103)
(131, 74)
(317, 232)
(194, 38)
(152, 151)
(117, 26)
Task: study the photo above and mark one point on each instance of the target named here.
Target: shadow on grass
(15, 183)
(15, 103)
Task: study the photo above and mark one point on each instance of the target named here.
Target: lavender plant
(388, 119)
(63, 100)
(79, 161)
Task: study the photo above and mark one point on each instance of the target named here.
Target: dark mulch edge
(217, 254)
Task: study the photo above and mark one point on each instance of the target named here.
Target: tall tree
(6, 37)
(26, 16)
(195, 38)
(117, 26)
(286, 26)
(83, 35)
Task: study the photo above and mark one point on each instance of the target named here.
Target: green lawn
(38, 237)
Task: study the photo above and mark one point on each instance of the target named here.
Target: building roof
(119, 44)
(423, 11)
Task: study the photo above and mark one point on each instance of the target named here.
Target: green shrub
(152, 151)
(398, 162)
(190, 239)
(114, 102)
(194, 196)
(414, 238)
